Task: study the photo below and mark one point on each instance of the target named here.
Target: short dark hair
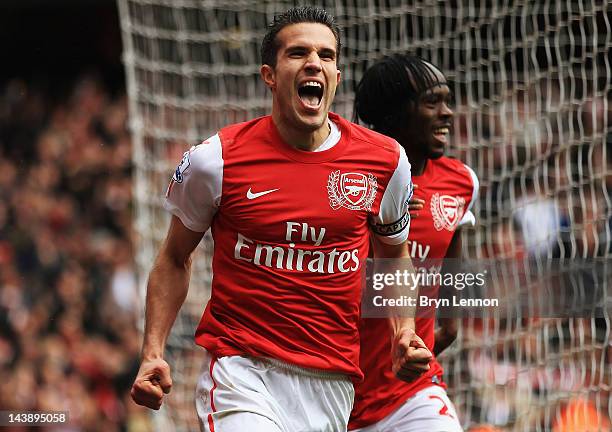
(390, 88)
(295, 15)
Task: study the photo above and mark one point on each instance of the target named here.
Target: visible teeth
(443, 130)
(313, 96)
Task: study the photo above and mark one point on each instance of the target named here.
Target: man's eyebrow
(295, 48)
(299, 47)
(328, 51)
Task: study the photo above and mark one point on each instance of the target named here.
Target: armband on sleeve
(392, 223)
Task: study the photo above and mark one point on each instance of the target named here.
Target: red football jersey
(291, 233)
(449, 188)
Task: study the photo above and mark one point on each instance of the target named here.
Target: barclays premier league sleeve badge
(353, 191)
(178, 173)
(177, 177)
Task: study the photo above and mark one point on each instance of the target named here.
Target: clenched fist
(410, 355)
(152, 382)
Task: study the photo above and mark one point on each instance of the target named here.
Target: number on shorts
(444, 409)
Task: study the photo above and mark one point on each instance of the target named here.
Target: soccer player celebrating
(408, 99)
(291, 199)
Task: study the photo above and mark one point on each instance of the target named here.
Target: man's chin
(312, 123)
(436, 154)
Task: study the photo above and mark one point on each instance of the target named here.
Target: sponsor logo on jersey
(418, 250)
(447, 211)
(290, 256)
(180, 169)
(354, 191)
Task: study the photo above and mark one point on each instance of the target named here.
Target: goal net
(532, 118)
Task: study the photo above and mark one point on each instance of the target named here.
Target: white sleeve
(194, 192)
(468, 217)
(392, 224)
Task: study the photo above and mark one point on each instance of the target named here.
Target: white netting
(532, 83)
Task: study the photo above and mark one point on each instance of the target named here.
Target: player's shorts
(238, 394)
(429, 410)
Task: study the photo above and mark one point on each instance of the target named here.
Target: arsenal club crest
(447, 211)
(354, 191)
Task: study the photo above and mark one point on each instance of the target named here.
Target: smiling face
(305, 77)
(430, 122)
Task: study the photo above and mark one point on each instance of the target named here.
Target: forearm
(166, 291)
(447, 332)
(409, 354)
(403, 318)
(445, 335)
(389, 260)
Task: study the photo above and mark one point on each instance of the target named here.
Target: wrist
(147, 357)
(150, 353)
(399, 325)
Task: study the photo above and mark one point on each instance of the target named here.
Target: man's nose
(445, 110)
(313, 62)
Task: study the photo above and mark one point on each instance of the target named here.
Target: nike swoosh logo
(251, 195)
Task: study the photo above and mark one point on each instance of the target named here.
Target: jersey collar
(313, 156)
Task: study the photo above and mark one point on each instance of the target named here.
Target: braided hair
(390, 89)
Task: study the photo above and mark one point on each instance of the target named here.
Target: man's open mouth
(311, 93)
(441, 131)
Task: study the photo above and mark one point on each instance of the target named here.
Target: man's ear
(268, 76)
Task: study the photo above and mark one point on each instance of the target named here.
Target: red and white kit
(291, 231)
(449, 189)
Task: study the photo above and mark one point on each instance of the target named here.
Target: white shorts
(429, 410)
(238, 394)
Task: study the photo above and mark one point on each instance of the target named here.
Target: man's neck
(418, 162)
(307, 141)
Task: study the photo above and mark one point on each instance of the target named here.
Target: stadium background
(80, 210)
(68, 299)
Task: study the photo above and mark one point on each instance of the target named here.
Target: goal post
(531, 81)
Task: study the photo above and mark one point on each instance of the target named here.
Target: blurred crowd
(543, 155)
(543, 159)
(68, 291)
